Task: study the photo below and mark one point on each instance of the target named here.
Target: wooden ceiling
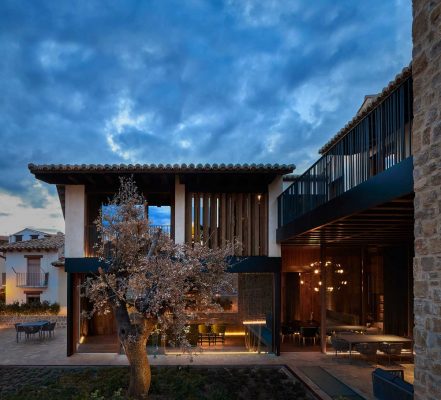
(390, 223)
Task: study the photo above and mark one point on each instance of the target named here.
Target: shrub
(16, 308)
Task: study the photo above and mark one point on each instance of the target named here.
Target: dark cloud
(226, 81)
(3, 214)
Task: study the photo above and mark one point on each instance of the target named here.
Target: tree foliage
(149, 282)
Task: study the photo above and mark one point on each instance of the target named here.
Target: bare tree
(149, 282)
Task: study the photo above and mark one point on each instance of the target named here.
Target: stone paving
(356, 374)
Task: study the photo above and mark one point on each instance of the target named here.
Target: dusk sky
(181, 81)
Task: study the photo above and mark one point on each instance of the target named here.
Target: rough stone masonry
(426, 70)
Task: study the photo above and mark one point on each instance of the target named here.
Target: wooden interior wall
(218, 218)
(397, 290)
(290, 297)
(299, 258)
(343, 300)
(76, 282)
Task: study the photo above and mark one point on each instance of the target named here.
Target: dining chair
(31, 330)
(391, 349)
(49, 328)
(339, 345)
(218, 332)
(308, 333)
(367, 349)
(19, 329)
(204, 333)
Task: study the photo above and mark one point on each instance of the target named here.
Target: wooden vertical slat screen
(188, 217)
(213, 220)
(239, 221)
(255, 228)
(205, 214)
(221, 218)
(196, 218)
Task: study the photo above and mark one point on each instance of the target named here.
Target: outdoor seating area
(44, 329)
(300, 332)
(372, 347)
(214, 333)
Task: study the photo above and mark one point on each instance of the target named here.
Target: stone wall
(8, 321)
(426, 70)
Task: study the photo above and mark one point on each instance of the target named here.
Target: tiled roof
(290, 177)
(53, 242)
(180, 168)
(399, 79)
(59, 262)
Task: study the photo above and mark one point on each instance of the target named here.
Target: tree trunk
(140, 374)
(133, 337)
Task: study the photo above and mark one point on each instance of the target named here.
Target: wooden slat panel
(213, 220)
(223, 218)
(264, 225)
(172, 217)
(249, 235)
(188, 216)
(206, 217)
(255, 225)
(239, 236)
(197, 214)
(228, 218)
(244, 224)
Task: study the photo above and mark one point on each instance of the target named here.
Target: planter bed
(190, 382)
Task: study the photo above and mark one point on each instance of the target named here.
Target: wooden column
(364, 286)
(323, 297)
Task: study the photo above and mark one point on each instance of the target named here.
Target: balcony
(32, 280)
(378, 142)
(92, 238)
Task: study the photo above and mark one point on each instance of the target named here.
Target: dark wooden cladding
(218, 218)
(379, 141)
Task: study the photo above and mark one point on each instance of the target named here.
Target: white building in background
(34, 267)
(3, 240)
(27, 234)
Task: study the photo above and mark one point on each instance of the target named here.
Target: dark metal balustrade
(92, 238)
(32, 280)
(379, 141)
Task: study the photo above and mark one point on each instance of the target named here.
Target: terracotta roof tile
(53, 242)
(180, 168)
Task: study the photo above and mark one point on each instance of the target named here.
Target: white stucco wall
(2, 265)
(57, 278)
(26, 233)
(274, 189)
(179, 212)
(74, 220)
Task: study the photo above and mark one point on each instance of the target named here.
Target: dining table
(331, 329)
(34, 324)
(353, 339)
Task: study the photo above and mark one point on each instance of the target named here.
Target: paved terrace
(52, 351)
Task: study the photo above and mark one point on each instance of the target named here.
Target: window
(32, 298)
(33, 276)
(159, 215)
(34, 236)
(18, 238)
